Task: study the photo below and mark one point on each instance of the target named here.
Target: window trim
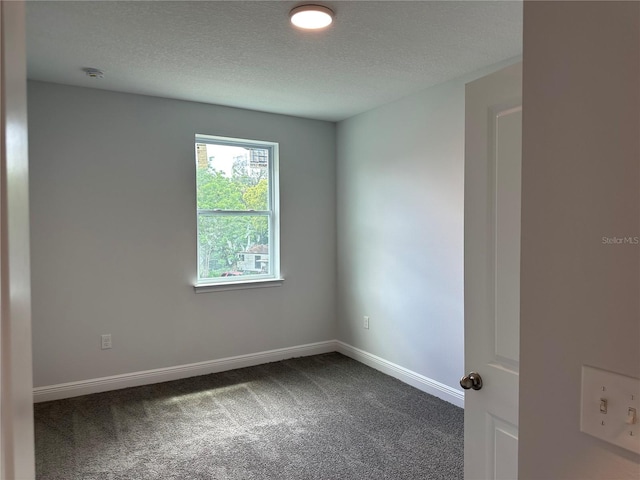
(273, 215)
(235, 285)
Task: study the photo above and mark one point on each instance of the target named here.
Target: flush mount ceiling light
(311, 17)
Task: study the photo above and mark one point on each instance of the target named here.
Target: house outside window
(237, 210)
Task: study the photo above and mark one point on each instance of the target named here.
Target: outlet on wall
(365, 323)
(106, 341)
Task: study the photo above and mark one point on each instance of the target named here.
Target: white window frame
(273, 214)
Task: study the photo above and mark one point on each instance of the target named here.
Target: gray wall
(400, 230)
(581, 181)
(113, 232)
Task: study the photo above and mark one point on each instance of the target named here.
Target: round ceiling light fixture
(311, 17)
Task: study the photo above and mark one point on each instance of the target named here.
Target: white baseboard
(405, 375)
(158, 375)
(147, 377)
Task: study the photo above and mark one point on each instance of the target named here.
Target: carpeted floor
(322, 417)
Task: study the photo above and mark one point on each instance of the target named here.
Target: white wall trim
(167, 374)
(405, 375)
(158, 375)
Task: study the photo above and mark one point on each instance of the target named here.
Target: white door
(16, 392)
(493, 138)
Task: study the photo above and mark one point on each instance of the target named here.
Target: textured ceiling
(245, 54)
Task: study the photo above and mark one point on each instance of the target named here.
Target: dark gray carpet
(321, 417)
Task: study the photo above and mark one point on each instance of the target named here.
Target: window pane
(233, 245)
(232, 177)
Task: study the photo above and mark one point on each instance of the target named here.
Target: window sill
(221, 287)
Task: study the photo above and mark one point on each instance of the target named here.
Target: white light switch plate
(620, 393)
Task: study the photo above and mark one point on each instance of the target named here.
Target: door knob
(473, 380)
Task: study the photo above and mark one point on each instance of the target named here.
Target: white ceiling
(245, 54)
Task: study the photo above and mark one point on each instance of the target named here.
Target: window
(237, 202)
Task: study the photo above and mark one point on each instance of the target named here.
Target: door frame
(17, 459)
